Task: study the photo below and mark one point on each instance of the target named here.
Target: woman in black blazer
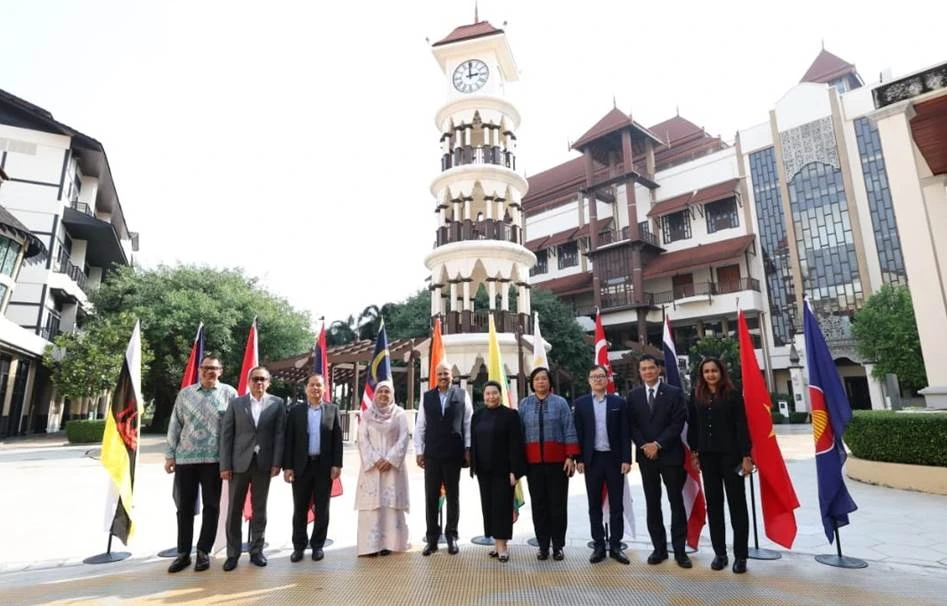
(720, 445)
(497, 460)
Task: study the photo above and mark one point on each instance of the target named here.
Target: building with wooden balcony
(666, 220)
(59, 186)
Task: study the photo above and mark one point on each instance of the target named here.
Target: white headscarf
(378, 413)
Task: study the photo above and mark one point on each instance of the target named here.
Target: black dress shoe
(503, 557)
(202, 563)
(618, 556)
(657, 557)
(230, 563)
(258, 559)
(296, 556)
(557, 554)
(719, 563)
(429, 549)
(317, 554)
(452, 547)
(542, 555)
(739, 565)
(597, 555)
(180, 563)
(384, 552)
(683, 561)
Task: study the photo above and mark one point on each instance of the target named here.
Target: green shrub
(899, 437)
(799, 417)
(778, 418)
(84, 432)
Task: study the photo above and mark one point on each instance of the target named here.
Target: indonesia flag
(694, 503)
(251, 359)
(601, 352)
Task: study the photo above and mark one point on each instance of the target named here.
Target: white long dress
(382, 498)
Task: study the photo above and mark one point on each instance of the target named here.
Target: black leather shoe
(683, 561)
(296, 556)
(542, 555)
(557, 554)
(202, 563)
(720, 562)
(180, 563)
(230, 564)
(597, 555)
(317, 554)
(384, 552)
(429, 549)
(739, 565)
(452, 547)
(618, 556)
(258, 559)
(657, 557)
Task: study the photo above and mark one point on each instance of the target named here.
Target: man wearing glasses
(193, 456)
(251, 452)
(601, 424)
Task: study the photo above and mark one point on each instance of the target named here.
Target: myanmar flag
(120, 441)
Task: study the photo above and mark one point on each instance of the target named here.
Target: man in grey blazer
(251, 450)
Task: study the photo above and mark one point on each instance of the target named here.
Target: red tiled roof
(585, 230)
(554, 177)
(827, 67)
(674, 129)
(466, 32)
(567, 285)
(537, 244)
(712, 193)
(610, 122)
(697, 256)
(560, 238)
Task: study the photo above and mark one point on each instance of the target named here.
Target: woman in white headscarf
(382, 495)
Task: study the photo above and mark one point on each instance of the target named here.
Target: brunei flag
(120, 441)
(496, 372)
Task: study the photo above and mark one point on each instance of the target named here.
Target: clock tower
(479, 266)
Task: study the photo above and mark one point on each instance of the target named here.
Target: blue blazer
(616, 423)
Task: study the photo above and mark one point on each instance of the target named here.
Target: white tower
(479, 197)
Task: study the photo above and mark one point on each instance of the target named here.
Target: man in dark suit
(442, 446)
(601, 425)
(312, 460)
(657, 412)
(251, 452)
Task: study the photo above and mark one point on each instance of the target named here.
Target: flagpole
(838, 560)
(108, 557)
(756, 552)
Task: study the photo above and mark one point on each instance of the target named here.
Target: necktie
(651, 399)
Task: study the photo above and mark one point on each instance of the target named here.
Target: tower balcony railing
(709, 289)
(478, 321)
(487, 229)
(468, 154)
(625, 296)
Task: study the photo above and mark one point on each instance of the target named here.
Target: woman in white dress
(382, 495)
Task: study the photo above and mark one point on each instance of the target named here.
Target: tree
(86, 363)
(885, 332)
(340, 333)
(725, 349)
(171, 301)
(411, 318)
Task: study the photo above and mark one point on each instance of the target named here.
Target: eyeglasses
(597, 377)
(259, 379)
(211, 367)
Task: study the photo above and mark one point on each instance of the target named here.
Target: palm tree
(340, 332)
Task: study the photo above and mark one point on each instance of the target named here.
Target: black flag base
(840, 561)
(483, 541)
(623, 545)
(760, 553)
(687, 549)
(533, 542)
(245, 546)
(109, 556)
(172, 552)
(756, 552)
(441, 540)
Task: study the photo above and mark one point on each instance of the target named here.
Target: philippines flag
(831, 413)
(694, 503)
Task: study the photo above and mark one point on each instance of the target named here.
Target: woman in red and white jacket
(550, 441)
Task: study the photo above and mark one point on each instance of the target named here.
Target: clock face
(471, 75)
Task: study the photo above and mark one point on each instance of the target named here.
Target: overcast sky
(297, 139)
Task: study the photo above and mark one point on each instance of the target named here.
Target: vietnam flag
(120, 441)
(777, 495)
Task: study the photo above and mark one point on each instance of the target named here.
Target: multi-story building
(59, 186)
(667, 220)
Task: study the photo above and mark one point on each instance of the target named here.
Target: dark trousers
(448, 472)
(187, 479)
(549, 493)
(652, 473)
(496, 503)
(259, 483)
(605, 469)
(312, 486)
(719, 472)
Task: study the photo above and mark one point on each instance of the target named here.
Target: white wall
(804, 103)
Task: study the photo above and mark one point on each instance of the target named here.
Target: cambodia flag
(831, 413)
(694, 504)
(320, 364)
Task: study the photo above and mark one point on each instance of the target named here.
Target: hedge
(84, 432)
(899, 437)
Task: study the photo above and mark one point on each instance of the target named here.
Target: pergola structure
(348, 362)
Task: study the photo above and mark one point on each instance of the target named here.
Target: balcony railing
(737, 285)
(82, 207)
(613, 235)
(613, 297)
(488, 229)
(462, 156)
(706, 288)
(78, 276)
(478, 321)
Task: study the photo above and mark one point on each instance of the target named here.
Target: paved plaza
(53, 504)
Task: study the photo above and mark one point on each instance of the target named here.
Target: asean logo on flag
(821, 428)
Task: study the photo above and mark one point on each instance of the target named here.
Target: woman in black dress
(720, 444)
(498, 461)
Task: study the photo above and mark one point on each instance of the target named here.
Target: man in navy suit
(656, 414)
(601, 424)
